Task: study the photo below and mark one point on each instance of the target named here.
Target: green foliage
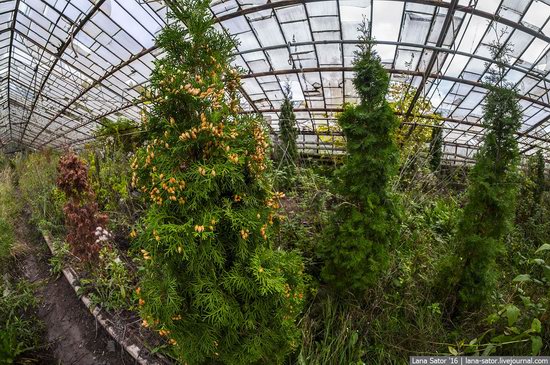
(436, 148)
(110, 178)
(307, 211)
(413, 136)
(538, 167)
(287, 153)
(398, 317)
(18, 334)
(489, 210)
(533, 209)
(7, 239)
(519, 326)
(36, 175)
(355, 249)
(9, 209)
(61, 251)
(331, 335)
(123, 134)
(210, 281)
(111, 283)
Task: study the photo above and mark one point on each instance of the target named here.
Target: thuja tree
(436, 148)
(212, 285)
(490, 205)
(538, 167)
(289, 132)
(287, 153)
(355, 248)
(531, 212)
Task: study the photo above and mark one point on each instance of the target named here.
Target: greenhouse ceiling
(65, 66)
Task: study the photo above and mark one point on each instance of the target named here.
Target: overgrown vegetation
(19, 329)
(36, 176)
(226, 271)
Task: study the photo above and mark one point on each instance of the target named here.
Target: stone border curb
(135, 350)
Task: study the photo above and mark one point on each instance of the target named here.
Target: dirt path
(70, 330)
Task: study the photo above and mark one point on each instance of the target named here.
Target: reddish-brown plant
(82, 215)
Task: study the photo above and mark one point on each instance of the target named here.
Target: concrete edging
(135, 350)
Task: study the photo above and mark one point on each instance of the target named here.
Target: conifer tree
(289, 132)
(212, 285)
(356, 244)
(539, 177)
(436, 148)
(531, 212)
(490, 206)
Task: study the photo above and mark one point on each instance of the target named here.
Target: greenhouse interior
(335, 182)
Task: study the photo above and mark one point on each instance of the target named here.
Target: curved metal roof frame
(67, 65)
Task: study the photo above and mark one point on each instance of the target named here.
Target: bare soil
(72, 335)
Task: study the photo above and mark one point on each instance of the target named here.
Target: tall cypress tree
(211, 283)
(289, 132)
(436, 148)
(355, 248)
(490, 205)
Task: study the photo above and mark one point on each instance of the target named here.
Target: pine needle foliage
(356, 244)
(436, 149)
(212, 285)
(490, 206)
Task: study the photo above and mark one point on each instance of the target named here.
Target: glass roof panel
(64, 66)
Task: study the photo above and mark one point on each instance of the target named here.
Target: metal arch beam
(99, 117)
(394, 43)
(60, 52)
(473, 83)
(12, 28)
(391, 71)
(94, 84)
(527, 72)
(104, 115)
(439, 3)
(445, 119)
(431, 63)
(57, 56)
(536, 125)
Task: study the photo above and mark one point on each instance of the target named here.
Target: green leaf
(536, 325)
(354, 338)
(489, 350)
(453, 351)
(545, 247)
(522, 278)
(512, 313)
(501, 339)
(493, 318)
(536, 345)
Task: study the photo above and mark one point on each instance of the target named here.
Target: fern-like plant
(355, 248)
(212, 285)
